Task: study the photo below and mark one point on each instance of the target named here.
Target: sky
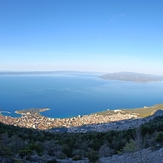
(82, 35)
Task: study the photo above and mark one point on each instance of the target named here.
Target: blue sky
(83, 35)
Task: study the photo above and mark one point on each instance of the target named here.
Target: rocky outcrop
(143, 156)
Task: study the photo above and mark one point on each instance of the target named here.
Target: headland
(34, 111)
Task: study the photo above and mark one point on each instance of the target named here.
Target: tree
(105, 150)
(139, 142)
(131, 146)
(93, 156)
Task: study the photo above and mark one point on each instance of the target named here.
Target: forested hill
(29, 145)
(131, 76)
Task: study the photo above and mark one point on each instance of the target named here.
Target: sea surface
(73, 94)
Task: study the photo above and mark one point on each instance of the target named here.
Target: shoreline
(101, 121)
(31, 111)
(140, 112)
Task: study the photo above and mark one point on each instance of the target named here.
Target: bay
(72, 94)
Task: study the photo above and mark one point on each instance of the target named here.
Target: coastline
(31, 111)
(106, 120)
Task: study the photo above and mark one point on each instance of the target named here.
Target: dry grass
(140, 112)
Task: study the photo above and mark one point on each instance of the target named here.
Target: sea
(73, 94)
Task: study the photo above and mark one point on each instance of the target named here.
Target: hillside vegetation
(28, 145)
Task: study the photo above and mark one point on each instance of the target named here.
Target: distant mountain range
(45, 72)
(123, 76)
(33, 72)
(131, 76)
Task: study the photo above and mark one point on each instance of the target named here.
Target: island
(131, 76)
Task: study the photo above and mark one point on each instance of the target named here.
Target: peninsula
(131, 76)
(33, 111)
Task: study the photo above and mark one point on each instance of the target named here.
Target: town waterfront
(73, 94)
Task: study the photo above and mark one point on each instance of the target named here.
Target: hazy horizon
(94, 36)
(75, 71)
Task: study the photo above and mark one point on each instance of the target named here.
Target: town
(93, 122)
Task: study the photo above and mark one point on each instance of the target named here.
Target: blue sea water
(74, 94)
